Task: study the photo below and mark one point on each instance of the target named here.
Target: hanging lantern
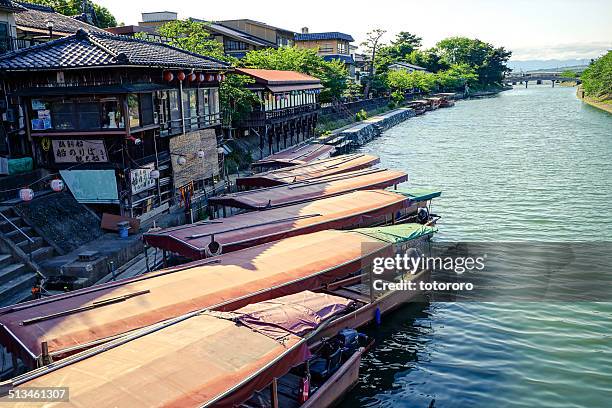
(201, 77)
(222, 77)
(57, 185)
(210, 77)
(26, 194)
(154, 174)
(192, 77)
(218, 77)
(180, 75)
(168, 76)
(277, 97)
(181, 160)
(201, 154)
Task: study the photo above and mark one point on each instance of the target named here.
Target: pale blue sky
(537, 29)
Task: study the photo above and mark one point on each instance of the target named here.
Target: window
(147, 116)
(342, 47)
(133, 113)
(326, 48)
(86, 114)
(5, 38)
(232, 45)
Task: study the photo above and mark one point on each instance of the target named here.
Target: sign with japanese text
(141, 178)
(79, 151)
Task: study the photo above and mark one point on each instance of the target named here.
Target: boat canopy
(309, 171)
(253, 228)
(296, 155)
(272, 197)
(418, 194)
(80, 319)
(397, 234)
(203, 360)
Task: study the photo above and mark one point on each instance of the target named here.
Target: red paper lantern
(192, 77)
(181, 76)
(201, 77)
(168, 76)
(210, 77)
(222, 77)
(218, 78)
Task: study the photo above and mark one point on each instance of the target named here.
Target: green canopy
(398, 233)
(418, 194)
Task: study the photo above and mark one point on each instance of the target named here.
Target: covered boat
(346, 211)
(419, 106)
(272, 197)
(447, 99)
(293, 156)
(308, 171)
(198, 360)
(67, 323)
(434, 102)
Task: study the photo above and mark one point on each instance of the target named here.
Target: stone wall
(369, 129)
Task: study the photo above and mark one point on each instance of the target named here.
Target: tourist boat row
(293, 156)
(309, 190)
(447, 99)
(58, 326)
(261, 355)
(308, 171)
(357, 209)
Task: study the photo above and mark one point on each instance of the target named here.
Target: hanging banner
(141, 178)
(79, 151)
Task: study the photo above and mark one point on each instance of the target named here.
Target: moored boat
(293, 156)
(308, 171)
(447, 99)
(434, 102)
(61, 325)
(420, 106)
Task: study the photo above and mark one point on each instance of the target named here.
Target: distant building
(263, 31)
(288, 111)
(130, 125)
(8, 28)
(329, 45)
(404, 66)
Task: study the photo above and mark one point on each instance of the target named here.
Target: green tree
(455, 78)
(333, 74)
(569, 74)
(104, 17)
(372, 45)
(597, 78)
(428, 59)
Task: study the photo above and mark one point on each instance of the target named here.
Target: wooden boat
(294, 156)
(420, 106)
(324, 187)
(61, 325)
(447, 99)
(207, 359)
(308, 171)
(434, 102)
(358, 209)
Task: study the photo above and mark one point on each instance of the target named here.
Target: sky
(536, 29)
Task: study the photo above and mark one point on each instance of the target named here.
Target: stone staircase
(20, 251)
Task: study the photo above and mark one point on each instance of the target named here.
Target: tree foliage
(75, 7)
(597, 78)
(333, 74)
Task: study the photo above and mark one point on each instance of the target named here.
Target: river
(527, 165)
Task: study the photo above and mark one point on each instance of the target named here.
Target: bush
(361, 115)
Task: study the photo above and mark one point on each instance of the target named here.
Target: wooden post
(274, 394)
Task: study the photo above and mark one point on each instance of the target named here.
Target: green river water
(527, 165)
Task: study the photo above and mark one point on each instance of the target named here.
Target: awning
(289, 88)
(204, 360)
(80, 319)
(267, 198)
(300, 155)
(309, 171)
(253, 228)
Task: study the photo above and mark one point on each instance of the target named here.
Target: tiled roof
(35, 18)
(235, 34)
(347, 59)
(276, 77)
(88, 49)
(323, 36)
(407, 65)
(9, 5)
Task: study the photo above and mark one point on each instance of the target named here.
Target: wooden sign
(141, 178)
(79, 151)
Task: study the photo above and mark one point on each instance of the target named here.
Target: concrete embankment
(603, 105)
(363, 132)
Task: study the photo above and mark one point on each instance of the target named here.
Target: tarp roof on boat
(79, 319)
(201, 360)
(266, 198)
(309, 171)
(252, 228)
(418, 194)
(297, 155)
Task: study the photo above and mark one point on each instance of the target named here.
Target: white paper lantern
(57, 185)
(181, 160)
(201, 154)
(154, 174)
(26, 194)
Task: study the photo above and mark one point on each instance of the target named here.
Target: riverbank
(605, 105)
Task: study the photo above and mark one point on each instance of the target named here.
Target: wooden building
(288, 111)
(329, 45)
(130, 125)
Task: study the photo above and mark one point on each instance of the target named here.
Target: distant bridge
(539, 77)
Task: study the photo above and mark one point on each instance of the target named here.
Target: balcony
(261, 118)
